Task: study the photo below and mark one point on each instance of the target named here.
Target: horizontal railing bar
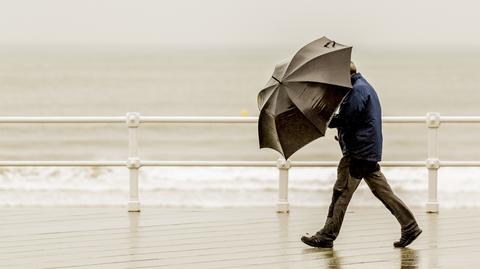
(211, 163)
(67, 119)
(459, 163)
(403, 163)
(400, 119)
(197, 119)
(313, 163)
(459, 119)
(63, 163)
(230, 163)
(207, 119)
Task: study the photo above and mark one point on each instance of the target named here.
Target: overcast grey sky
(225, 23)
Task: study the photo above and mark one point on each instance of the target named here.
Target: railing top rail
(63, 119)
(205, 119)
(198, 119)
(460, 119)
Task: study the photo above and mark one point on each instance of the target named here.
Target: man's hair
(353, 68)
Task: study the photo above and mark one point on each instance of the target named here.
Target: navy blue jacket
(359, 122)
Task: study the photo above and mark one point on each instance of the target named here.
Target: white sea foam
(220, 187)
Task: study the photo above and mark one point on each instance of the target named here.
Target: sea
(52, 80)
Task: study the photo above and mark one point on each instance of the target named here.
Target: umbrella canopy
(301, 96)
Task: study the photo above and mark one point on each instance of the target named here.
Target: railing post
(282, 204)
(133, 162)
(433, 162)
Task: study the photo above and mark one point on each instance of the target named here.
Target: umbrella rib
(280, 145)
(293, 100)
(290, 73)
(297, 106)
(267, 97)
(277, 138)
(279, 82)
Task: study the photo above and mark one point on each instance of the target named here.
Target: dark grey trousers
(343, 191)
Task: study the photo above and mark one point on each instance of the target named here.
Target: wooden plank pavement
(110, 237)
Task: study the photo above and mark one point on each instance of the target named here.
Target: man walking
(359, 125)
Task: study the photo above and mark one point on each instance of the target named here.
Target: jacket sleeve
(350, 111)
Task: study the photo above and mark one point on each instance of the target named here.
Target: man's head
(353, 68)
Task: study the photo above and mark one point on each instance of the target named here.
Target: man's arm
(350, 109)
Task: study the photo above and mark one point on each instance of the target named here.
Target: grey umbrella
(301, 96)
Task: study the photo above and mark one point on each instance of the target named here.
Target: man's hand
(361, 168)
(334, 122)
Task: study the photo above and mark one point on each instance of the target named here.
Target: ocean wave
(221, 186)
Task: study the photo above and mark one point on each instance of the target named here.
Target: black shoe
(316, 241)
(407, 238)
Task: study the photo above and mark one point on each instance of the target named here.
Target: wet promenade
(103, 237)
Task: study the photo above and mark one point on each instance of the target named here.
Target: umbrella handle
(330, 42)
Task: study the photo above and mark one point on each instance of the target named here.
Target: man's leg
(381, 189)
(343, 191)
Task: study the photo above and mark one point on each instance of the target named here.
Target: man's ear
(353, 68)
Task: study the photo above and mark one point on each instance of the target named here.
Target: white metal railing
(133, 120)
